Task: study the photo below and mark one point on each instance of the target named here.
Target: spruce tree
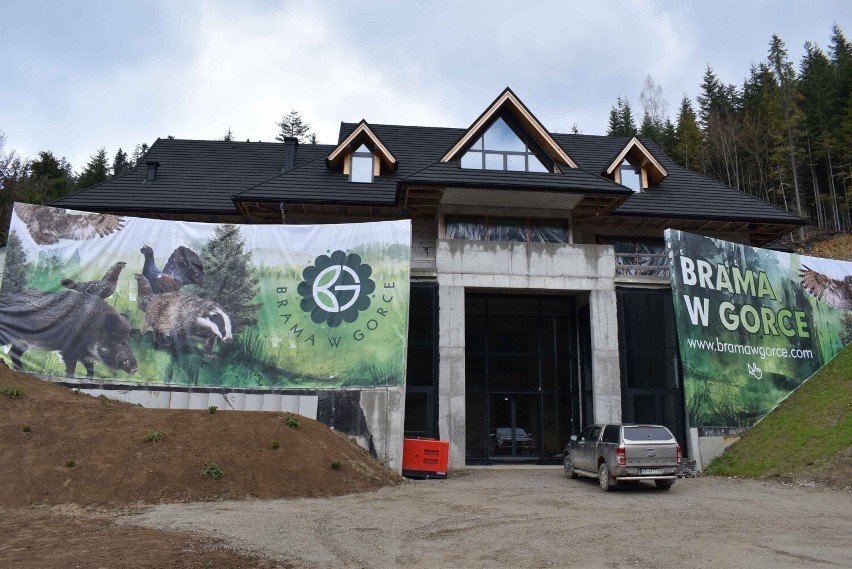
(96, 171)
(229, 136)
(17, 268)
(292, 125)
(687, 148)
(121, 164)
(229, 277)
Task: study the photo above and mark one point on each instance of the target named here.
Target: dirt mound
(834, 247)
(61, 447)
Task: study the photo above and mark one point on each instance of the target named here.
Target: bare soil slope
(115, 465)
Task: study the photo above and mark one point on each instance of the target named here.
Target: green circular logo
(336, 288)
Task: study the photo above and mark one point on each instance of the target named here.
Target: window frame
(359, 154)
(478, 147)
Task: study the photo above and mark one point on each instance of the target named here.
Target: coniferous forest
(783, 135)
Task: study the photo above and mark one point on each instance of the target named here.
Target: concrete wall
(531, 267)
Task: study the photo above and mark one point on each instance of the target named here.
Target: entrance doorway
(520, 416)
(650, 365)
(520, 377)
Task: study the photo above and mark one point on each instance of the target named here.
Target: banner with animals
(126, 299)
(753, 324)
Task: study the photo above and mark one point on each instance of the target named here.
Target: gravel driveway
(535, 517)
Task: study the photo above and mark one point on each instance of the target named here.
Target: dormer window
(635, 167)
(361, 165)
(631, 176)
(501, 148)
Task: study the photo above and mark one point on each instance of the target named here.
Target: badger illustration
(182, 316)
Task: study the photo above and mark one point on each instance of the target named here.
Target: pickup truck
(615, 453)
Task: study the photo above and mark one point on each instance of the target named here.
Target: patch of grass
(104, 401)
(274, 445)
(212, 409)
(155, 436)
(213, 471)
(12, 392)
(291, 421)
(27, 429)
(810, 428)
(336, 465)
(70, 463)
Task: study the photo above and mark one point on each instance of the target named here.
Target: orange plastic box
(425, 458)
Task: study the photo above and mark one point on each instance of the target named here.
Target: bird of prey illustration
(183, 267)
(47, 225)
(103, 287)
(833, 292)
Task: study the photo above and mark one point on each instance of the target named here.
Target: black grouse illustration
(833, 292)
(103, 287)
(183, 267)
(47, 225)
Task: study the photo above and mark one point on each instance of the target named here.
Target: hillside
(115, 464)
(808, 438)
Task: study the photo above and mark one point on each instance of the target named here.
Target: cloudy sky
(78, 76)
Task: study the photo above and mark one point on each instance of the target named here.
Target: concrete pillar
(451, 387)
(606, 374)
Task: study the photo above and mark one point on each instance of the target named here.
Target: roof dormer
(635, 167)
(512, 137)
(361, 156)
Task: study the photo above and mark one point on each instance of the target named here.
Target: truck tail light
(679, 456)
(621, 457)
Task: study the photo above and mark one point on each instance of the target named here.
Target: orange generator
(425, 458)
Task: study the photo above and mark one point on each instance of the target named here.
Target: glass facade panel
(516, 162)
(513, 335)
(500, 136)
(529, 407)
(416, 412)
(513, 373)
(630, 176)
(535, 165)
(472, 159)
(421, 359)
(493, 161)
(361, 169)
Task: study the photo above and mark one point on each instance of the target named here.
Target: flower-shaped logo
(336, 288)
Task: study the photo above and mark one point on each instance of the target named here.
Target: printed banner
(753, 324)
(166, 302)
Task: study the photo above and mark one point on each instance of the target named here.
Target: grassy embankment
(809, 431)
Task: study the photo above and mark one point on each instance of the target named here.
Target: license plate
(650, 471)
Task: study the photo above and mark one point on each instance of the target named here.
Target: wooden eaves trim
(647, 160)
(527, 120)
(344, 148)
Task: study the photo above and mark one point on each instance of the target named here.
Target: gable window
(631, 176)
(501, 148)
(361, 165)
(494, 228)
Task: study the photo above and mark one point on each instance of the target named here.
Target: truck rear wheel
(607, 482)
(664, 484)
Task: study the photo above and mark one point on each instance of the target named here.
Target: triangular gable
(509, 102)
(362, 134)
(636, 150)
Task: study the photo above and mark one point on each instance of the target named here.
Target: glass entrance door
(520, 373)
(514, 427)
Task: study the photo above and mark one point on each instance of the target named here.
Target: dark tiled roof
(207, 176)
(571, 180)
(682, 194)
(194, 176)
